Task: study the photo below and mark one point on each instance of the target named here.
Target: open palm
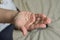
(29, 21)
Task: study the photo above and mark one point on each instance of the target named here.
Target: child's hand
(29, 21)
(40, 22)
(24, 18)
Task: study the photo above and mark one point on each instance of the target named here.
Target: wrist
(13, 18)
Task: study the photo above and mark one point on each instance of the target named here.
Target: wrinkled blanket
(51, 8)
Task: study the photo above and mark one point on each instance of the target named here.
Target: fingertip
(47, 21)
(42, 25)
(43, 15)
(24, 31)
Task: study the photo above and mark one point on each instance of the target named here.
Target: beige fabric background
(51, 8)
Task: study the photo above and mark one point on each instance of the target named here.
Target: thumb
(24, 31)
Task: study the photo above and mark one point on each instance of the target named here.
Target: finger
(37, 21)
(31, 27)
(31, 20)
(42, 15)
(24, 31)
(40, 18)
(40, 26)
(36, 15)
(47, 21)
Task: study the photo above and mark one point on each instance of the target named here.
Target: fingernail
(43, 25)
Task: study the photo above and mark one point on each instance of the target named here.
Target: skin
(24, 20)
(29, 21)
